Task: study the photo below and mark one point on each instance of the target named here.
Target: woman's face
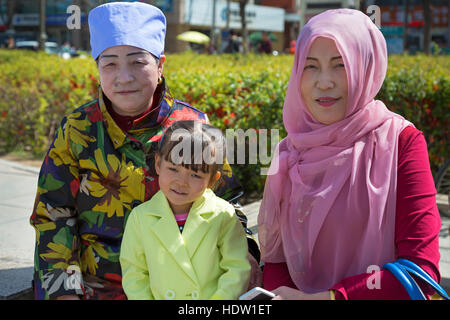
(324, 82)
(128, 77)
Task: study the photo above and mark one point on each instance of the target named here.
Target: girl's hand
(286, 293)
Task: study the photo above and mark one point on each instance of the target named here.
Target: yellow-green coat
(208, 260)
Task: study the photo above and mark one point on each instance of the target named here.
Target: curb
(19, 166)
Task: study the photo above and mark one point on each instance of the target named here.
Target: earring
(160, 80)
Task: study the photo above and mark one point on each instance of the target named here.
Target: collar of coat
(151, 120)
(201, 207)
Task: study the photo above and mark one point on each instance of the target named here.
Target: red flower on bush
(74, 85)
(220, 112)
(4, 114)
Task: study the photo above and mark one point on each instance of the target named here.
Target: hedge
(37, 90)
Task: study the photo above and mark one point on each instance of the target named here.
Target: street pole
(213, 28)
(42, 34)
(405, 25)
(228, 16)
(427, 27)
(303, 7)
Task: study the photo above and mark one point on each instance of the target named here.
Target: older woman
(99, 166)
(353, 189)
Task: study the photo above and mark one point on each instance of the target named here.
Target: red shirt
(417, 227)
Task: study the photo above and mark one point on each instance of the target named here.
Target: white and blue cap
(127, 23)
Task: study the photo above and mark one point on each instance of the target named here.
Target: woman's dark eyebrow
(315, 59)
(134, 53)
(116, 56)
(108, 56)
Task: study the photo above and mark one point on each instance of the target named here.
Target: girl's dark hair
(194, 145)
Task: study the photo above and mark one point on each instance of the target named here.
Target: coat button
(170, 294)
(195, 295)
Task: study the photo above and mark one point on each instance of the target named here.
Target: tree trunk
(362, 6)
(42, 26)
(227, 27)
(242, 4)
(11, 10)
(405, 26)
(427, 26)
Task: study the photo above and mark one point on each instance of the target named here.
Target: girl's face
(323, 84)
(129, 77)
(180, 185)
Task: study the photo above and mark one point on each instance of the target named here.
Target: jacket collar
(201, 207)
(182, 246)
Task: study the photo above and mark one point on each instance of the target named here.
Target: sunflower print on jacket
(93, 175)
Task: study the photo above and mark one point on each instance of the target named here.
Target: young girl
(185, 243)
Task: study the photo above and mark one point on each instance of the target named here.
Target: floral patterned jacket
(93, 175)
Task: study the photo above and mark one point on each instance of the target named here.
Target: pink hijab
(328, 209)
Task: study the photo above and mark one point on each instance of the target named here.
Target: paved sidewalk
(18, 185)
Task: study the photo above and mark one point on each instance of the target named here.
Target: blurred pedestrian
(265, 45)
(66, 47)
(11, 43)
(234, 44)
(292, 47)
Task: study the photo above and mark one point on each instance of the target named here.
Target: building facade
(282, 18)
(405, 31)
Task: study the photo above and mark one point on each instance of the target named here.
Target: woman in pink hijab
(350, 188)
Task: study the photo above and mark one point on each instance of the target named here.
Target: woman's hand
(256, 278)
(68, 297)
(286, 293)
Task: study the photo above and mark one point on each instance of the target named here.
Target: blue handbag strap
(419, 272)
(406, 280)
(402, 268)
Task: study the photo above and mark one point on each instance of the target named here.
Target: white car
(50, 47)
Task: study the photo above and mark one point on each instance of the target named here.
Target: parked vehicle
(50, 47)
(66, 52)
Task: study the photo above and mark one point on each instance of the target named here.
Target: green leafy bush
(418, 88)
(237, 92)
(36, 91)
